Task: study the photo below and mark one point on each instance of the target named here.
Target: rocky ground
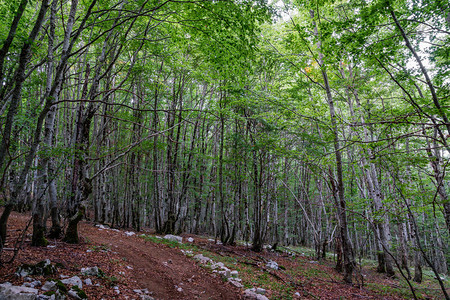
(119, 264)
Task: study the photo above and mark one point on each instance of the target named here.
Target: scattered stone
(146, 297)
(211, 240)
(77, 293)
(5, 285)
(169, 261)
(234, 273)
(202, 259)
(63, 276)
(121, 273)
(272, 265)
(129, 233)
(225, 273)
(297, 294)
(101, 227)
(137, 291)
(190, 240)
(260, 291)
(251, 294)
(93, 271)
(235, 283)
(129, 267)
(28, 279)
(174, 238)
(218, 265)
(88, 281)
(75, 280)
(51, 246)
(188, 253)
(11, 292)
(44, 267)
(313, 262)
(49, 286)
(73, 294)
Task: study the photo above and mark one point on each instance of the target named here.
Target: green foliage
(80, 292)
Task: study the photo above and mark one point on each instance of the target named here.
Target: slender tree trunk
(347, 248)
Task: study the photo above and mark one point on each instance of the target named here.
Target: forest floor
(136, 262)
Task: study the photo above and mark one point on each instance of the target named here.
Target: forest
(312, 123)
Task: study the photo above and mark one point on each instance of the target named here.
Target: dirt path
(162, 270)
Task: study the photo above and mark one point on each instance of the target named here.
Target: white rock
(234, 273)
(10, 292)
(236, 283)
(73, 294)
(137, 291)
(5, 285)
(225, 273)
(129, 233)
(174, 238)
(129, 267)
(202, 259)
(251, 294)
(88, 281)
(75, 280)
(272, 264)
(190, 240)
(36, 283)
(101, 227)
(297, 294)
(93, 271)
(187, 252)
(260, 291)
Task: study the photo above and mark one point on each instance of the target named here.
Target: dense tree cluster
(320, 123)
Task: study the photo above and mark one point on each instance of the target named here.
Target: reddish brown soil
(129, 263)
(161, 269)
